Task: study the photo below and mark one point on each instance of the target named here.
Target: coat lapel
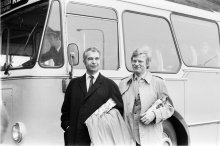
(95, 86)
(127, 83)
(128, 90)
(82, 84)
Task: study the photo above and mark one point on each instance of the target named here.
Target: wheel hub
(166, 140)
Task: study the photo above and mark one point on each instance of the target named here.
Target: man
(146, 100)
(81, 100)
(55, 52)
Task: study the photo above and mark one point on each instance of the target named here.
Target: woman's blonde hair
(146, 50)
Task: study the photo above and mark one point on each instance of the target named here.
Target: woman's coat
(151, 89)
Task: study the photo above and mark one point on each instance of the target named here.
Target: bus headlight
(18, 132)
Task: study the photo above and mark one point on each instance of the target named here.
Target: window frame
(44, 36)
(101, 17)
(177, 41)
(171, 33)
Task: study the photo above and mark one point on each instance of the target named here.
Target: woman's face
(139, 64)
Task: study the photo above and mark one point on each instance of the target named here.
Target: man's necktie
(91, 82)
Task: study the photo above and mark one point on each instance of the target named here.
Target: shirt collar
(146, 76)
(95, 76)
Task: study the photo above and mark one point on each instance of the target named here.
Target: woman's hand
(147, 117)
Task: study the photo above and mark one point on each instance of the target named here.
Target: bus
(185, 48)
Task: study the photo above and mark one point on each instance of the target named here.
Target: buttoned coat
(78, 105)
(151, 89)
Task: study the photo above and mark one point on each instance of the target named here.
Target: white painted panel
(37, 104)
(202, 97)
(218, 138)
(205, 135)
(176, 91)
(7, 95)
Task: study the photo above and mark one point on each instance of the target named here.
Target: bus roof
(159, 4)
(178, 8)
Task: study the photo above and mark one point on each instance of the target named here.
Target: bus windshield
(21, 33)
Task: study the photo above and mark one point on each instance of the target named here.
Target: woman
(146, 100)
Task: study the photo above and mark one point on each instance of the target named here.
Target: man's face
(54, 41)
(92, 62)
(139, 64)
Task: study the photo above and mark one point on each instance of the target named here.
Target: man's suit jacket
(78, 105)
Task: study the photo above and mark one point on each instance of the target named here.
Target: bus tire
(169, 134)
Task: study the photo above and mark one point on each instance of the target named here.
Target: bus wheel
(169, 134)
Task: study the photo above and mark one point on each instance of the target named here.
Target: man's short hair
(93, 49)
(146, 50)
(142, 50)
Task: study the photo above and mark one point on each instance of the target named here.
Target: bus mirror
(73, 54)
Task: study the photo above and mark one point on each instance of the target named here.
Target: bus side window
(157, 60)
(155, 32)
(194, 56)
(97, 28)
(160, 60)
(218, 58)
(203, 38)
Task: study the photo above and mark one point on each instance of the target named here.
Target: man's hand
(147, 117)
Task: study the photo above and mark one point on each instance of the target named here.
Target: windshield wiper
(25, 46)
(7, 67)
(29, 36)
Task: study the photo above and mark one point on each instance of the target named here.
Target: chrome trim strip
(204, 123)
